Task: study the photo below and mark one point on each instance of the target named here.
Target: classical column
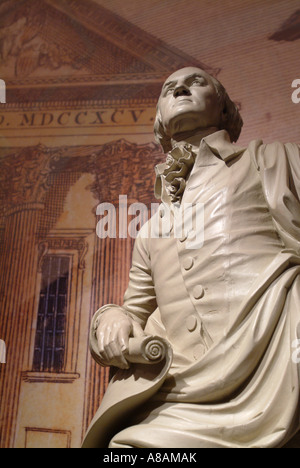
(24, 179)
(122, 169)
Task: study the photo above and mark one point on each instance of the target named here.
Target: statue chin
(186, 124)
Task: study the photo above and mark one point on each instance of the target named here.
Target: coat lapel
(215, 150)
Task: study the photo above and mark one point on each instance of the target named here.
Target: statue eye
(200, 81)
(169, 90)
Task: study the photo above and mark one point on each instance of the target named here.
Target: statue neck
(192, 139)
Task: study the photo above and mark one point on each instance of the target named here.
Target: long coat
(227, 301)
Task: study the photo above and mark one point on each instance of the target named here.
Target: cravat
(179, 163)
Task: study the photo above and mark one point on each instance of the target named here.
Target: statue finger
(123, 339)
(115, 355)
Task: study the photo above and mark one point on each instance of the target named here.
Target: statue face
(189, 102)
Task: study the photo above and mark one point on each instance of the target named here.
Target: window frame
(68, 297)
(74, 245)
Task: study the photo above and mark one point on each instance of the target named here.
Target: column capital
(122, 167)
(24, 178)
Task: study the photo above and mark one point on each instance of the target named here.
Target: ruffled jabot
(177, 169)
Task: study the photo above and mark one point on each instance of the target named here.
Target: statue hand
(113, 332)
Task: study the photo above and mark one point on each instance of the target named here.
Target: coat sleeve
(140, 297)
(279, 167)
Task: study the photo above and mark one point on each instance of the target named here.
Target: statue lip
(184, 98)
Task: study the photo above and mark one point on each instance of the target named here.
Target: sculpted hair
(231, 119)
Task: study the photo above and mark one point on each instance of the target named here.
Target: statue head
(191, 101)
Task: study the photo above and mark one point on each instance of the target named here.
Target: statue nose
(181, 90)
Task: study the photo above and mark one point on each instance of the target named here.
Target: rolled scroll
(129, 388)
(146, 349)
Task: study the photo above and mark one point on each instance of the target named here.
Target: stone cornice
(77, 104)
(77, 243)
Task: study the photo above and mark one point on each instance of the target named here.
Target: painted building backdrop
(83, 78)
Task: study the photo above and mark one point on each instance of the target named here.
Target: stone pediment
(58, 43)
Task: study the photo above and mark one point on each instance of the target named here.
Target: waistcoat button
(191, 323)
(198, 291)
(187, 263)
